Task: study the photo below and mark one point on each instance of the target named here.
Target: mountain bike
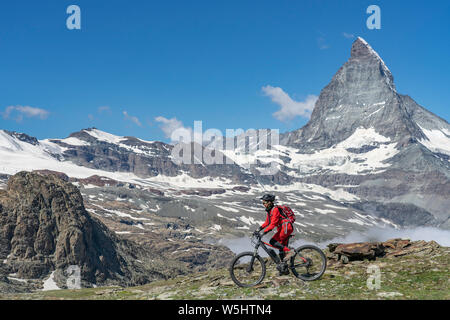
(248, 268)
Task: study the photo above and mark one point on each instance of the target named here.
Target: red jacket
(273, 219)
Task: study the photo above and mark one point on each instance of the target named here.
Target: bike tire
(297, 270)
(233, 269)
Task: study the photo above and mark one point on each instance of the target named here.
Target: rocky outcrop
(44, 227)
(402, 214)
(60, 175)
(358, 251)
(96, 181)
(23, 137)
(346, 253)
(399, 247)
(204, 192)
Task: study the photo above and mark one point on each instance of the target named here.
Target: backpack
(287, 213)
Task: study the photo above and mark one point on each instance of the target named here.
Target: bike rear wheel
(247, 270)
(309, 263)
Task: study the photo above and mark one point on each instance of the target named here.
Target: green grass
(413, 277)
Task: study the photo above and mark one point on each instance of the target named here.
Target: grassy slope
(408, 277)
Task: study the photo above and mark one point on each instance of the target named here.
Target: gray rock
(45, 227)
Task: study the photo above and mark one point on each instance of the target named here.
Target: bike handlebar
(255, 239)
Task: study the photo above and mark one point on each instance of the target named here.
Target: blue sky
(134, 61)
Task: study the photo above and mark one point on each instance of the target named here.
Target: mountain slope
(361, 111)
(45, 229)
(419, 274)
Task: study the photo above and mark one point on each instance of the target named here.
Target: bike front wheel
(309, 263)
(247, 269)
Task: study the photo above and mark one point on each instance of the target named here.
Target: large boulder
(347, 252)
(401, 247)
(359, 251)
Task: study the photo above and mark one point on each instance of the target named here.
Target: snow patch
(324, 211)
(334, 207)
(221, 216)
(357, 221)
(438, 140)
(362, 137)
(338, 159)
(104, 136)
(189, 208)
(75, 142)
(50, 283)
(226, 208)
(249, 220)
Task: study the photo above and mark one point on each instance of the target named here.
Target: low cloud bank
(238, 245)
(421, 233)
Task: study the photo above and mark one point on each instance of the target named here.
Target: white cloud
(132, 119)
(322, 43)
(348, 35)
(104, 109)
(27, 111)
(174, 128)
(441, 236)
(289, 108)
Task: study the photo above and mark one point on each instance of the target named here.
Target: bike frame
(300, 259)
(264, 245)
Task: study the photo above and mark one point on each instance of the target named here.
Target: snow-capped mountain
(211, 205)
(369, 156)
(362, 94)
(382, 143)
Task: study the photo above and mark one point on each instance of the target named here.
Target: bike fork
(252, 260)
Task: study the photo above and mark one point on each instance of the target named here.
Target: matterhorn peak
(362, 49)
(363, 54)
(361, 94)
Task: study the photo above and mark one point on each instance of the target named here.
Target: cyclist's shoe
(283, 269)
(289, 255)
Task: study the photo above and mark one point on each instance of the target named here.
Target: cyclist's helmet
(268, 197)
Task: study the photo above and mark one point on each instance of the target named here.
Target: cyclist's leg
(276, 241)
(281, 239)
(284, 241)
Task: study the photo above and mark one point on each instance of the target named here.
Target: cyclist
(284, 229)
